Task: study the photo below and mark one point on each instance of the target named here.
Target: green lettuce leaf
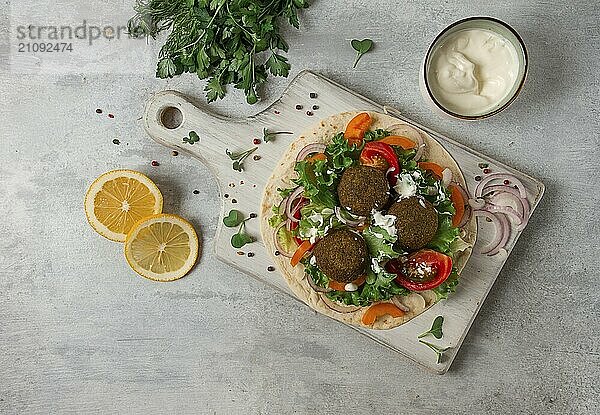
(378, 287)
(446, 234)
(380, 243)
(341, 154)
(449, 286)
(276, 220)
(316, 220)
(458, 245)
(376, 135)
(286, 239)
(318, 182)
(316, 274)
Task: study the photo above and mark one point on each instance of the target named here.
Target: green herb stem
(238, 158)
(439, 351)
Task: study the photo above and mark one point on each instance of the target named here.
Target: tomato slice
(423, 270)
(382, 156)
(304, 247)
(357, 127)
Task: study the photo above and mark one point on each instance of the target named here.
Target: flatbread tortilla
(282, 177)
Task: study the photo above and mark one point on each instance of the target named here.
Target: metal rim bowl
(478, 22)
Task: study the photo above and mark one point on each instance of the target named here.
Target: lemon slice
(118, 199)
(162, 247)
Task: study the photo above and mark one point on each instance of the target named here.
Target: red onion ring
(290, 200)
(350, 222)
(477, 203)
(301, 203)
(315, 286)
(420, 150)
(504, 199)
(501, 176)
(339, 307)
(500, 199)
(282, 204)
(509, 192)
(466, 216)
(278, 246)
(309, 149)
(507, 210)
(502, 227)
(501, 188)
(446, 177)
(396, 300)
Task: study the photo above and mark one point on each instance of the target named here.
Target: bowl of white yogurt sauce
(474, 68)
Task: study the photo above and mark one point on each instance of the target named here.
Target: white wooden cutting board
(243, 191)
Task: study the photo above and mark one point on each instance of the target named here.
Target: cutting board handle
(170, 116)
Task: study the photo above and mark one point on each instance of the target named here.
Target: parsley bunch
(228, 42)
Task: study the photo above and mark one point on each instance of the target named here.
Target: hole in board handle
(171, 117)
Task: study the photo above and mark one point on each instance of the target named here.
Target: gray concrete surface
(80, 333)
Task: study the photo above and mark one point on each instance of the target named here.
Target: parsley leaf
(166, 68)
(219, 40)
(214, 89)
(278, 65)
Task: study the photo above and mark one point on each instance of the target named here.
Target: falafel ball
(342, 255)
(362, 189)
(416, 221)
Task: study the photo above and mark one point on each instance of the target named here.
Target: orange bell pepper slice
(378, 310)
(304, 247)
(315, 157)
(357, 127)
(436, 169)
(459, 204)
(340, 286)
(399, 141)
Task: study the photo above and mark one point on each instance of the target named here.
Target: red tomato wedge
(357, 127)
(378, 310)
(399, 141)
(459, 204)
(424, 270)
(436, 169)
(381, 156)
(304, 247)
